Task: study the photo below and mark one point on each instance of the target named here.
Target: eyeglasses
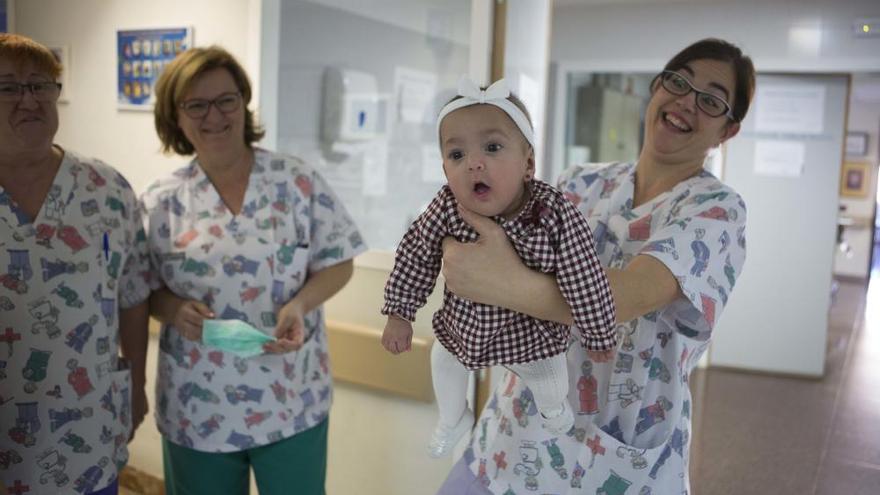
(197, 108)
(45, 92)
(711, 105)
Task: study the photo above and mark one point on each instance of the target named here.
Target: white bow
(496, 94)
(469, 89)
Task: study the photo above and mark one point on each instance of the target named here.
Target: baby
(487, 143)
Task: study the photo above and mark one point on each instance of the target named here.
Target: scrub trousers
(295, 465)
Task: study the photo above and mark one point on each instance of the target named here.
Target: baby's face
(486, 159)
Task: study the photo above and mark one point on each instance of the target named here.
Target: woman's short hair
(723, 51)
(175, 81)
(21, 49)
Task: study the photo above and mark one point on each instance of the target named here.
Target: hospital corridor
(718, 161)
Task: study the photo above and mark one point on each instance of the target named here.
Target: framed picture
(62, 55)
(856, 143)
(142, 54)
(4, 16)
(855, 179)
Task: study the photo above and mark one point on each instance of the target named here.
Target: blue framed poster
(4, 17)
(142, 54)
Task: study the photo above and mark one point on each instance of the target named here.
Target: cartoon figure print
(53, 465)
(35, 369)
(587, 390)
(523, 407)
(614, 485)
(653, 414)
(626, 392)
(577, 474)
(557, 460)
(87, 481)
(701, 253)
(243, 393)
(78, 378)
(210, 425)
(530, 464)
(636, 456)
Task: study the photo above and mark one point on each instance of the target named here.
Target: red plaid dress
(551, 236)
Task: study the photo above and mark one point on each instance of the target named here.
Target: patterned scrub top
(551, 236)
(633, 414)
(244, 267)
(64, 395)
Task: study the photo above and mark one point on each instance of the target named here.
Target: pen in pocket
(106, 247)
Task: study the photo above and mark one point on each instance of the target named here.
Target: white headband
(496, 95)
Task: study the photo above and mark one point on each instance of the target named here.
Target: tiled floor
(761, 434)
(757, 434)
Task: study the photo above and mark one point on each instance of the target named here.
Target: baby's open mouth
(481, 188)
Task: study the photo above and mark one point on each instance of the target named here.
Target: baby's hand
(601, 356)
(397, 336)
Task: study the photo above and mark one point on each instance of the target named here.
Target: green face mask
(234, 336)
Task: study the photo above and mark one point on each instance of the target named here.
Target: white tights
(547, 379)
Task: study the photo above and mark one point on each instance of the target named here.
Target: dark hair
(177, 78)
(720, 50)
(21, 49)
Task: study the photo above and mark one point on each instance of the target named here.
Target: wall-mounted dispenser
(353, 109)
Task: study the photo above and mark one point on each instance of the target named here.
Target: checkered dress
(551, 236)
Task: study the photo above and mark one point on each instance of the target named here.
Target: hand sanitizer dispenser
(353, 110)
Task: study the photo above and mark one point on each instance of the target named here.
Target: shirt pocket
(611, 459)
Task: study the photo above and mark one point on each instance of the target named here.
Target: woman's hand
(481, 271)
(290, 329)
(140, 406)
(489, 271)
(188, 318)
(397, 336)
(601, 356)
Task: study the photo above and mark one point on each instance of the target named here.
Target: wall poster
(142, 54)
(4, 17)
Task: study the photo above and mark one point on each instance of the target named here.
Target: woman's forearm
(643, 286)
(164, 305)
(322, 285)
(133, 337)
(535, 294)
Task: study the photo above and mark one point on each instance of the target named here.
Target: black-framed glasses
(43, 91)
(197, 108)
(711, 105)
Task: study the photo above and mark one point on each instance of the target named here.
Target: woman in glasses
(671, 238)
(73, 291)
(254, 237)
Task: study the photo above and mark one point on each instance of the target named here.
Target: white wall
(90, 122)
(797, 35)
(641, 35)
(316, 36)
(777, 316)
(791, 36)
(864, 116)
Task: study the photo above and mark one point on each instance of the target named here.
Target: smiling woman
(282, 244)
(671, 239)
(74, 261)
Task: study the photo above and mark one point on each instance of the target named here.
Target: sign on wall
(4, 16)
(142, 54)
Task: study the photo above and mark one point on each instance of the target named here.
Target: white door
(777, 319)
